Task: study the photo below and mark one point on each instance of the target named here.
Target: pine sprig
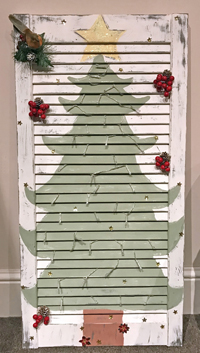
(42, 57)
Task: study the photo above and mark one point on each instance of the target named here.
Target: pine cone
(166, 157)
(44, 311)
(167, 73)
(38, 101)
(31, 57)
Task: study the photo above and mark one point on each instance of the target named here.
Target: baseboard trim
(191, 272)
(7, 275)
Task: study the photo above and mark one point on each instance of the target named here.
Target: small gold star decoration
(149, 40)
(25, 185)
(124, 281)
(111, 228)
(31, 338)
(110, 317)
(120, 69)
(144, 319)
(57, 80)
(157, 264)
(175, 312)
(19, 123)
(179, 184)
(181, 234)
(63, 22)
(50, 274)
(82, 328)
(146, 197)
(177, 18)
(98, 33)
(162, 326)
(156, 137)
(98, 341)
(52, 151)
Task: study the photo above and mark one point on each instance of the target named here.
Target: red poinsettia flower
(123, 328)
(85, 341)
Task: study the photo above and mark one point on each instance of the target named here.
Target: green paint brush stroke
(29, 239)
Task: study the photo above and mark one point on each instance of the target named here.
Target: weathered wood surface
(149, 45)
(62, 29)
(179, 38)
(23, 77)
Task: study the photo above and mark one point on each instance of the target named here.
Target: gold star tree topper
(100, 33)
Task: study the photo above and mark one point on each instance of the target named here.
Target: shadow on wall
(196, 265)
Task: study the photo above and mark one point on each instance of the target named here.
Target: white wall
(9, 243)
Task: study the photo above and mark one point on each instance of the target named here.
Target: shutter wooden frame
(167, 29)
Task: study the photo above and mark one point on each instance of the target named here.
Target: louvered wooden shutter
(101, 227)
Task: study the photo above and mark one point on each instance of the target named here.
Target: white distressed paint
(23, 77)
(59, 335)
(64, 329)
(138, 27)
(145, 333)
(45, 263)
(177, 151)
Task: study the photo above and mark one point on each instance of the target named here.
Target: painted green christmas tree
(99, 233)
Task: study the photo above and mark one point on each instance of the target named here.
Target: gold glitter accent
(175, 312)
(25, 184)
(98, 33)
(149, 40)
(31, 338)
(57, 80)
(63, 22)
(162, 326)
(82, 328)
(19, 123)
(53, 151)
(144, 319)
(75, 209)
(50, 274)
(177, 18)
(146, 197)
(120, 69)
(181, 234)
(179, 184)
(110, 317)
(158, 264)
(98, 341)
(124, 281)
(156, 137)
(111, 228)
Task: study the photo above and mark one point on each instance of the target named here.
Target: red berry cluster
(164, 83)
(162, 163)
(23, 38)
(38, 319)
(37, 111)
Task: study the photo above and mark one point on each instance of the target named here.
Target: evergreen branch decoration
(40, 56)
